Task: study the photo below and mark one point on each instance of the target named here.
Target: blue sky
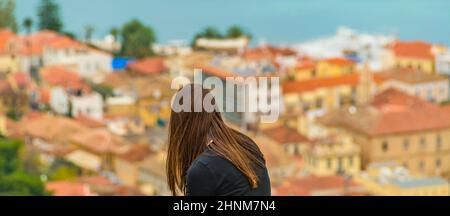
(277, 21)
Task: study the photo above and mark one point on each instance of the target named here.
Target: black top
(212, 175)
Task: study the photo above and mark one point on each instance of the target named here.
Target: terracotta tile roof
(215, 71)
(14, 84)
(311, 185)
(413, 49)
(95, 180)
(5, 36)
(136, 153)
(100, 141)
(14, 129)
(66, 42)
(51, 128)
(68, 188)
(223, 74)
(267, 52)
(411, 76)
(44, 95)
(60, 76)
(89, 122)
(305, 63)
(34, 43)
(21, 78)
(317, 83)
(117, 79)
(391, 112)
(148, 66)
(283, 134)
(5, 88)
(339, 61)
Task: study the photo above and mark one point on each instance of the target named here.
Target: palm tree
(28, 24)
(88, 32)
(115, 33)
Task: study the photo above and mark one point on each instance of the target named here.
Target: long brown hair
(191, 132)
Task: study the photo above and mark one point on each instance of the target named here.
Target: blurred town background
(85, 113)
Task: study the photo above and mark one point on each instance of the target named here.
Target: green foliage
(137, 39)
(63, 170)
(27, 24)
(9, 152)
(32, 163)
(14, 181)
(237, 31)
(210, 32)
(213, 33)
(105, 91)
(70, 34)
(115, 33)
(14, 115)
(49, 17)
(7, 17)
(88, 32)
(22, 184)
(64, 173)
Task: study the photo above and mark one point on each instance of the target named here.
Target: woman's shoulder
(211, 160)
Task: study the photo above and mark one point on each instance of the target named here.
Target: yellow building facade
(390, 179)
(425, 152)
(334, 67)
(331, 156)
(425, 65)
(9, 64)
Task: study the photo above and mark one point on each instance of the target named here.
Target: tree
(69, 34)
(137, 39)
(22, 184)
(115, 33)
(236, 32)
(103, 90)
(49, 17)
(208, 32)
(64, 173)
(88, 32)
(62, 169)
(28, 24)
(9, 152)
(14, 181)
(211, 32)
(7, 17)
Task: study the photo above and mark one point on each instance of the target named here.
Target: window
(406, 144)
(442, 91)
(329, 163)
(385, 146)
(405, 165)
(438, 142)
(421, 165)
(430, 94)
(319, 102)
(423, 142)
(438, 163)
(306, 107)
(340, 164)
(350, 161)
